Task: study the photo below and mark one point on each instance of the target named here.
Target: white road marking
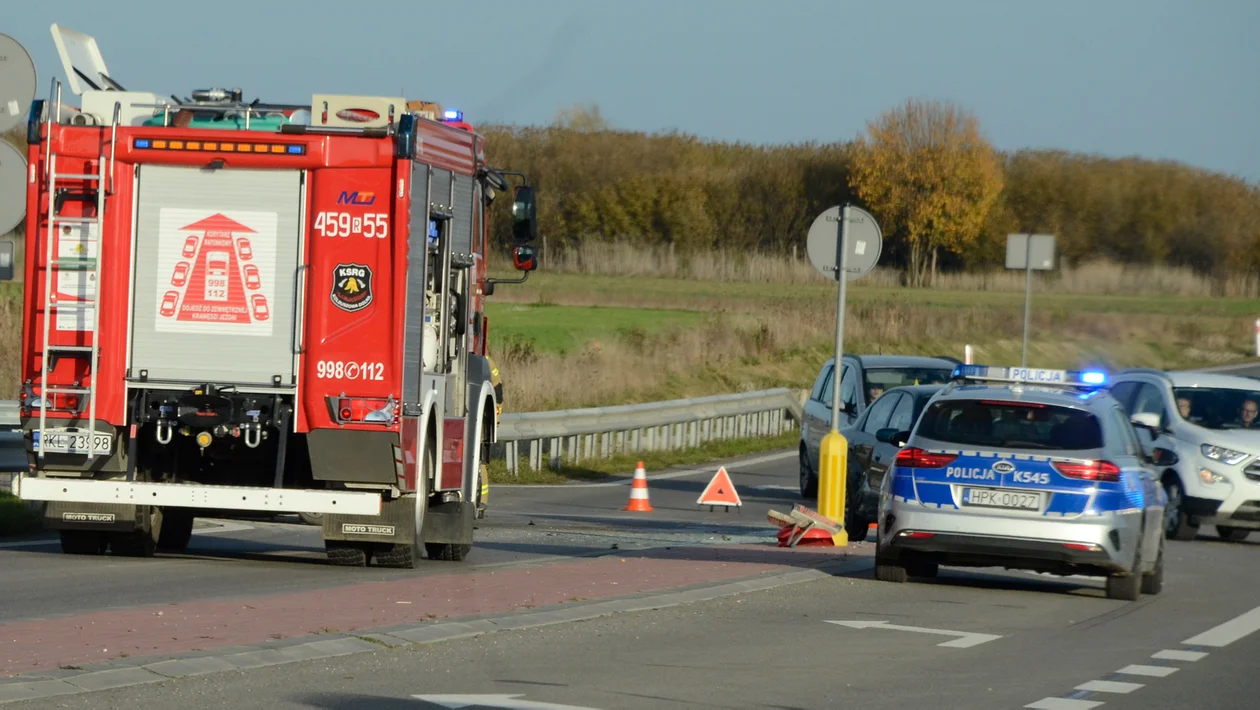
(654, 476)
(1109, 686)
(1174, 655)
(510, 702)
(1228, 632)
(1063, 704)
(966, 639)
(1153, 671)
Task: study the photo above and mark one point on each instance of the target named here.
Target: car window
(1125, 429)
(824, 378)
(1123, 393)
(881, 379)
(848, 386)
(880, 411)
(1149, 400)
(1219, 407)
(1020, 425)
(903, 415)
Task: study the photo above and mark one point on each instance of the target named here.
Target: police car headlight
(1229, 457)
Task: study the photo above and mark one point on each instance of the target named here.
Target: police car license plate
(68, 441)
(997, 498)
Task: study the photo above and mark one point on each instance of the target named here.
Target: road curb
(128, 672)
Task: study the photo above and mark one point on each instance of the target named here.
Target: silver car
(1024, 469)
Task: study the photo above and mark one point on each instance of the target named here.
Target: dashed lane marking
(1109, 686)
(1063, 704)
(1151, 671)
(1177, 655)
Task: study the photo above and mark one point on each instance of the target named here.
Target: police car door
(1133, 467)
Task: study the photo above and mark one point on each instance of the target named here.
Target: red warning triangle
(720, 491)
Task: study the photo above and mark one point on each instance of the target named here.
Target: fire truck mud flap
(444, 523)
(102, 517)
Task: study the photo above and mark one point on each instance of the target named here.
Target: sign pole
(1023, 360)
(834, 448)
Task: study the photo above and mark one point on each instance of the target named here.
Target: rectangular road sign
(1030, 251)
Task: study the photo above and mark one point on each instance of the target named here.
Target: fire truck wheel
(312, 518)
(84, 542)
(348, 554)
(446, 551)
(177, 527)
(407, 555)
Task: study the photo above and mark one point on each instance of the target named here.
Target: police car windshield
(1014, 425)
(1219, 407)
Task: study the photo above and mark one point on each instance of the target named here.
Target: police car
(1026, 469)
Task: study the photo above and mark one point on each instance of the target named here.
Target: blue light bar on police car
(1030, 375)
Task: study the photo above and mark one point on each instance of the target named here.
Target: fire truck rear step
(180, 495)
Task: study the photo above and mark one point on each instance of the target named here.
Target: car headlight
(1226, 456)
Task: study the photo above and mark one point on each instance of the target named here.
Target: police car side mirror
(1163, 457)
(6, 260)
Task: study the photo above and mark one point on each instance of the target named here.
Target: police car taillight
(918, 458)
(1088, 470)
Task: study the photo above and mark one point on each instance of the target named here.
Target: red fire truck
(237, 306)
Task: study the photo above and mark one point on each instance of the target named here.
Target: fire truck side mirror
(524, 259)
(524, 214)
(6, 260)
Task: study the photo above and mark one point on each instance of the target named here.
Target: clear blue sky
(1154, 78)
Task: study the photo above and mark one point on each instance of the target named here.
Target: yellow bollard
(833, 460)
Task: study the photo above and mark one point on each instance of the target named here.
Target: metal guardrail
(599, 432)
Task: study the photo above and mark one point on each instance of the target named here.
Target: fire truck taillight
(364, 410)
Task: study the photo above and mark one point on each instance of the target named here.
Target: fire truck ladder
(50, 352)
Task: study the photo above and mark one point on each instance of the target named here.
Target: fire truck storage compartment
(216, 260)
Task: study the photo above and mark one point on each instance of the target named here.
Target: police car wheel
(886, 571)
(1127, 587)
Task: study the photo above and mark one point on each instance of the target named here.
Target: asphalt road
(526, 525)
(778, 649)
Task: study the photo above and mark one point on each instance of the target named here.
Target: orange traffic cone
(639, 492)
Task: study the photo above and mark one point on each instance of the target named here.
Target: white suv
(1206, 441)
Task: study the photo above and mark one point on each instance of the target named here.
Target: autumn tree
(930, 177)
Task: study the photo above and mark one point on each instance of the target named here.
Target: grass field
(751, 335)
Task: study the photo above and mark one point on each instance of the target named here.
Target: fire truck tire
(407, 555)
(84, 542)
(177, 527)
(348, 554)
(448, 552)
(312, 518)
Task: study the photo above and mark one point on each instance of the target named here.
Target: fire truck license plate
(65, 441)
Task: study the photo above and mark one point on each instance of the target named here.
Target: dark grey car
(860, 375)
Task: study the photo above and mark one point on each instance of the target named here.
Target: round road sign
(864, 242)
